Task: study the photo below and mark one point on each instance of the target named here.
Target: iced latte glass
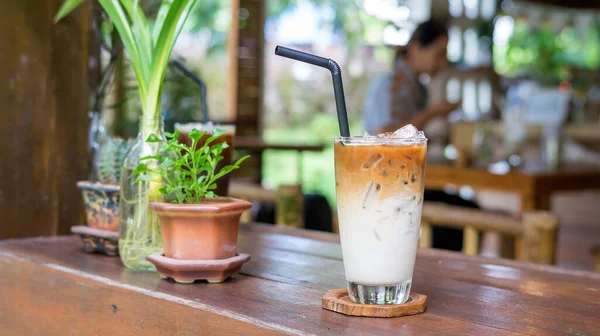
(379, 185)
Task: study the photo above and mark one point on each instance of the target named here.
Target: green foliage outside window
(545, 55)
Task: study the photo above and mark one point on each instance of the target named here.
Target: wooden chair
(535, 232)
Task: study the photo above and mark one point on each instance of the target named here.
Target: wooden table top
(259, 144)
(280, 291)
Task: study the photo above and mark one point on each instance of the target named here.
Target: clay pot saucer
(188, 271)
(98, 241)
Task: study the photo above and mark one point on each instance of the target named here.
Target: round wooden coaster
(337, 300)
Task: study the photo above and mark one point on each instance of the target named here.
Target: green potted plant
(148, 50)
(101, 198)
(197, 225)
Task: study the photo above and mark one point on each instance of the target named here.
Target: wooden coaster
(337, 300)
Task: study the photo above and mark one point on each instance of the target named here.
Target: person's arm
(420, 119)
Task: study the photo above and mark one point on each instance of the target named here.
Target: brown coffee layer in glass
(388, 166)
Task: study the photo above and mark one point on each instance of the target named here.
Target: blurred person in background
(398, 98)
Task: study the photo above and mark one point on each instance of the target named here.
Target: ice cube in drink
(379, 185)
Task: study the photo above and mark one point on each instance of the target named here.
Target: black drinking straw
(189, 74)
(336, 75)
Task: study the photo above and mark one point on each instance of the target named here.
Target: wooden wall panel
(43, 113)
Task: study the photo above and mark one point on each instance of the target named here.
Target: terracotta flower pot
(205, 231)
(101, 205)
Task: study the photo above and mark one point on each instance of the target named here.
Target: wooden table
(257, 145)
(49, 286)
(534, 187)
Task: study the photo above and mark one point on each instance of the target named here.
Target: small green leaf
(242, 159)
(66, 8)
(195, 135)
(143, 177)
(141, 168)
(164, 190)
(212, 138)
(167, 162)
(216, 150)
(226, 170)
(173, 136)
(210, 194)
(218, 132)
(153, 138)
(150, 157)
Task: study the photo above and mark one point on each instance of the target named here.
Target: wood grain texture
(66, 302)
(44, 107)
(281, 289)
(337, 300)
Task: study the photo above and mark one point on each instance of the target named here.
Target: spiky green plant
(110, 160)
(149, 49)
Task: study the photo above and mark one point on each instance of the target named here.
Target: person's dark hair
(425, 34)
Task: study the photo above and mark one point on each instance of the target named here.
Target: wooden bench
(535, 232)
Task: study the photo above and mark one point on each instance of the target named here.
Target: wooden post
(246, 77)
(596, 253)
(336, 223)
(246, 216)
(425, 239)
(289, 206)
(538, 244)
(470, 241)
(463, 159)
(44, 113)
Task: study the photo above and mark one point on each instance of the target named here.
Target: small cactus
(110, 160)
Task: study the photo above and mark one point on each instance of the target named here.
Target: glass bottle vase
(140, 232)
(97, 136)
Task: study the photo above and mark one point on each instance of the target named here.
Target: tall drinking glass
(379, 185)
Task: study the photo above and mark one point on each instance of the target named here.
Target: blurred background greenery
(356, 35)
